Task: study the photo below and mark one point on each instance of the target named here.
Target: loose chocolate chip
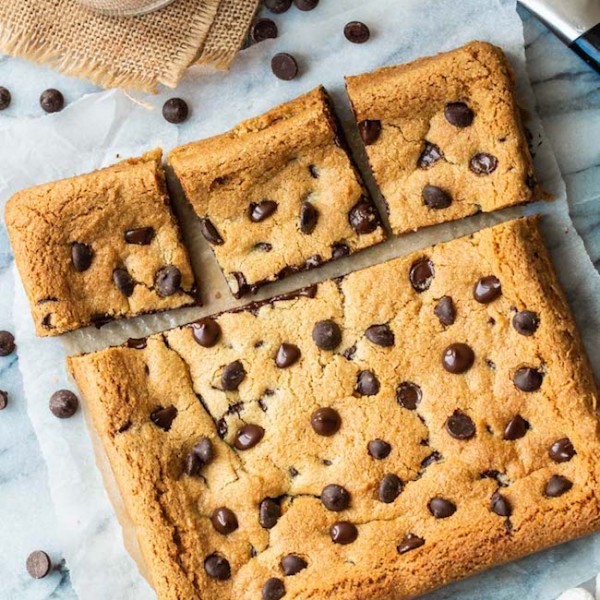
(516, 428)
(309, 216)
(273, 589)
(306, 4)
(381, 335)
(429, 156)
(136, 343)
(287, 355)
(284, 66)
(389, 488)
(435, 197)
(487, 289)
(421, 274)
(562, 450)
(268, 513)
(458, 114)
(247, 436)
(527, 379)
(224, 520)
(292, 564)
(326, 335)
(343, 532)
(441, 508)
(123, 281)
(38, 564)
(369, 131)
(141, 236)
(63, 404)
(217, 567)
(175, 110)
(210, 233)
(3, 399)
(264, 29)
(259, 211)
(526, 322)
(5, 98)
(81, 256)
(7, 343)
(500, 505)
(167, 281)
(410, 542)
(483, 164)
(164, 417)
(233, 374)
(52, 101)
(557, 486)
(357, 32)
(335, 497)
(460, 426)
(339, 251)
(408, 395)
(363, 217)
(378, 449)
(206, 332)
(325, 421)
(458, 358)
(367, 384)
(445, 311)
(278, 6)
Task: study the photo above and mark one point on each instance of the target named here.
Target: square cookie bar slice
(372, 437)
(443, 136)
(99, 246)
(278, 193)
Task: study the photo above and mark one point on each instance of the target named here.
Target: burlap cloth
(128, 52)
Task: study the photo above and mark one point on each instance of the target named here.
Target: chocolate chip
(526, 322)
(429, 156)
(263, 246)
(557, 486)
(327, 335)
(5, 98)
(445, 311)
(136, 343)
(435, 197)
(363, 217)
(381, 335)
(325, 421)
(309, 216)
(204, 450)
(167, 281)
(268, 513)
(410, 542)
(217, 567)
(441, 508)
(306, 4)
(335, 497)
(99, 320)
(206, 332)
(527, 379)
(500, 505)
(292, 564)
(483, 164)
(457, 358)
(141, 236)
(52, 101)
(408, 395)
(210, 233)
(357, 32)
(124, 282)
(7, 343)
(487, 289)
(516, 428)
(38, 564)
(164, 417)
(247, 436)
(458, 114)
(273, 589)
(389, 488)
(192, 464)
(3, 399)
(367, 383)
(175, 110)
(343, 532)
(222, 427)
(264, 29)
(562, 450)
(339, 250)
(224, 520)
(284, 66)
(369, 131)
(259, 211)
(435, 456)
(81, 256)
(460, 426)
(233, 374)
(378, 449)
(63, 404)
(278, 6)
(314, 171)
(287, 355)
(421, 274)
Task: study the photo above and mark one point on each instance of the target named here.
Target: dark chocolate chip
(7, 343)
(357, 32)
(136, 343)
(293, 472)
(429, 156)
(408, 395)
(562, 450)
(435, 197)
(217, 567)
(206, 331)
(273, 589)
(349, 353)
(222, 427)
(458, 358)
(410, 542)
(306, 4)
(100, 320)
(381, 335)
(421, 274)
(204, 450)
(141, 236)
(527, 379)
(268, 513)
(63, 404)
(441, 508)
(339, 250)
(167, 281)
(287, 355)
(259, 211)
(164, 417)
(343, 532)
(5, 98)
(247, 436)
(52, 100)
(389, 488)
(124, 282)
(192, 464)
(363, 217)
(367, 383)
(378, 449)
(557, 486)
(284, 66)
(500, 505)
(327, 335)
(458, 114)
(525, 322)
(435, 456)
(210, 233)
(369, 131)
(38, 564)
(224, 520)
(516, 428)
(278, 6)
(263, 246)
(460, 426)
(325, 421)
(3, 399)
(175, 110)
(233, 374)
(335, 497)
(445, 311)
(309, 216)
(483, 164)
(292, 564)
(487, 289)
(81, 256)
(264, 29)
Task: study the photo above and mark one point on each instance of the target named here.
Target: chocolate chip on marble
(435, 197)
(421, 274)
(410, 542)
(458, 358)
(339, 250)
(287, 355)
(284, 66)
(408, 395)
(458, 114)
(562, 450)
(137, 343)
(487, 289)
(335, 497)
(63, 404)
(527, 379)
(363, 217)
(141, 236)
(460, 426)
(233, 375)
(389, 488)
(306, 4)
(516, 428)
(269, 513)
(38, 564)
(381, 335)
(327, 334)
(445, 310)
(273, 589)
(441, 508)
(379, 449)
(164, 417)
(247, 436)
(278, 6)
(123, 281)
(3, 399)
(429, 156)
(309, 216)
(5, 98)
(325, 421)
(367, 383)
(483, 163)
(343, 532)
(292, 564)
(369, 131)
(357, 32)
(167, 281)
(224, 520)
(557, 486)
(175, 110)
(259, 211)
(81, 256)
(217, 567)
(264, 29)
(7, 343)
(500, 505)
(210, 232)
(525, 322)
(206, 332)
(52, 100)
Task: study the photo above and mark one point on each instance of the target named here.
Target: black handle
(588, 47)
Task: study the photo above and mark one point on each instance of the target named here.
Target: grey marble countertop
(568, 97)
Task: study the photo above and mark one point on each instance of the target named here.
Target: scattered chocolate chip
(378, 449)
(63, 404)
(369, 131)
(458, 114)
(445, 311)
(557, 486)
(487, 289)
(224, 520)
(233, 374)
(309, 216)
(206, 332)
(247, 436)
(167, 281)
(429, 156)
(408, 395)
(81, 256)
(306, 4)
(525, 322)
(389, 488)
(562, 450)
(335, 497)
(287, 355)
(259, 211)
(278, 6)
(217, 567)
(3, 399)
(327, 335)
(357, 32)
(410, 542)
(367, 383)
(516, 428)
(38, 564)
(381, 335)
(363, 217)
(483, 164)
(500, 505)
(527, 379)
(292, 564)
(284, 66)
(421, 274)
(343, 532)
(339, 250)
(5, 98)
(458, 358)
(460, 426)
(210, 233)
(175, 110)
(124, 282)
(136, 343)
(325, 421)
(164, 417)
(268, 513)
(273, 589)
(7, 343)
(52, 101)
(435, 197)
(141, 236)
(264, 29)
(441, 508)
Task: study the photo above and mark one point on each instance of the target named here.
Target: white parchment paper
(100, 128)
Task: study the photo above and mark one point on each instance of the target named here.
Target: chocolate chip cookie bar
(372, 437)
(443, 136)
(99, 247)
(278, 194)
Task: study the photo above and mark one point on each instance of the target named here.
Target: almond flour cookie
(278, 193)
(443, 136)
(100, 246)
(375, 437)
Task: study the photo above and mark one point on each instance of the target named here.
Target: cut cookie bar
(443, 136)
(278, 193)
(99, 247)
(371, 438)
